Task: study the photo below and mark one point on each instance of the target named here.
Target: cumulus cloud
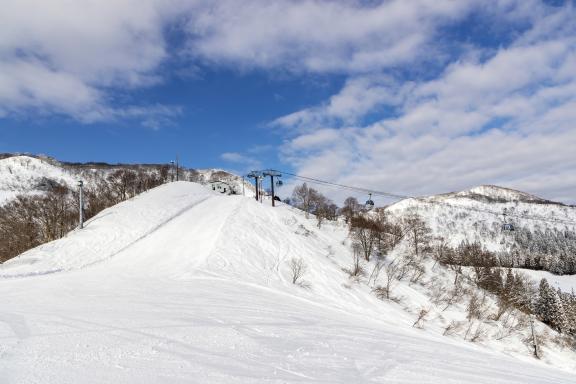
(66, 57)
(506, 117)
(359, 96)
(318, 36)
(437, 95)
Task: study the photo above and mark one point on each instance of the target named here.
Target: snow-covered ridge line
(32, 175)
(492, 194)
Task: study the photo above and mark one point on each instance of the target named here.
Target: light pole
(177, 168)
(81, 204)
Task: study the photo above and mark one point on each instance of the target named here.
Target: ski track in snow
(201, 294)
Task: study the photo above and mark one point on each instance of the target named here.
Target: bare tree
(325, 209)
(417, 233)
(298, 268)
(350, 208)
(121, 183)
(388, 234)
(366, 233)
(384, 291)
(356, 269)
(419, 323)
(304, 198)
(452, 328)
(376, 271)
(479, 334)
(453, 296)
(439, 250)
(54, 213)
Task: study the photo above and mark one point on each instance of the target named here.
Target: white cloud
(359, 96)
(318, 36)
(504, 116)
(508, 119)
(67, 57)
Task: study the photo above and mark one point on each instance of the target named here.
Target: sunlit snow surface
(180, 285)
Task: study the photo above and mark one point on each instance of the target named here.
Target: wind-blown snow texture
(181, 285)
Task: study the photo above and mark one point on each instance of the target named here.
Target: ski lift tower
(256, 175)
(272, 175)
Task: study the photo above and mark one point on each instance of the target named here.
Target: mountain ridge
(31, 174)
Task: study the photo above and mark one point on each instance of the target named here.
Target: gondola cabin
(508, 227)
(369, 203)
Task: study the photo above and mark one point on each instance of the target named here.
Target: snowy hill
(180, 284)
(493, 193)
(476, 214)
(544, 230)
(29, 175)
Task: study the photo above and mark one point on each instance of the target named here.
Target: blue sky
(218, 112)
(413, 97)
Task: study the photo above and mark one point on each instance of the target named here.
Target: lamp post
(81, 204)
(177, 168)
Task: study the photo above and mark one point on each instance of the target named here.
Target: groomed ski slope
(180, 285)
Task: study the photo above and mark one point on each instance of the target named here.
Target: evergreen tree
(549, 307)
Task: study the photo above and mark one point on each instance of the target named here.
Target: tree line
(513, 290)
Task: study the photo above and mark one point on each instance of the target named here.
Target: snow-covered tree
(549, 307)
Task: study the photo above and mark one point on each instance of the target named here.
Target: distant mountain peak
(491, 194)
(496, 193)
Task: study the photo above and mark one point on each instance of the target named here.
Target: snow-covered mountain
(181, 284)
(543, 240)
(477, 215)
(493, 193)
(29, 175)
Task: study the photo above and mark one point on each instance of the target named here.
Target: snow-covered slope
(492, 193)
(181, 285)
(476, 215)
(29, 175)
